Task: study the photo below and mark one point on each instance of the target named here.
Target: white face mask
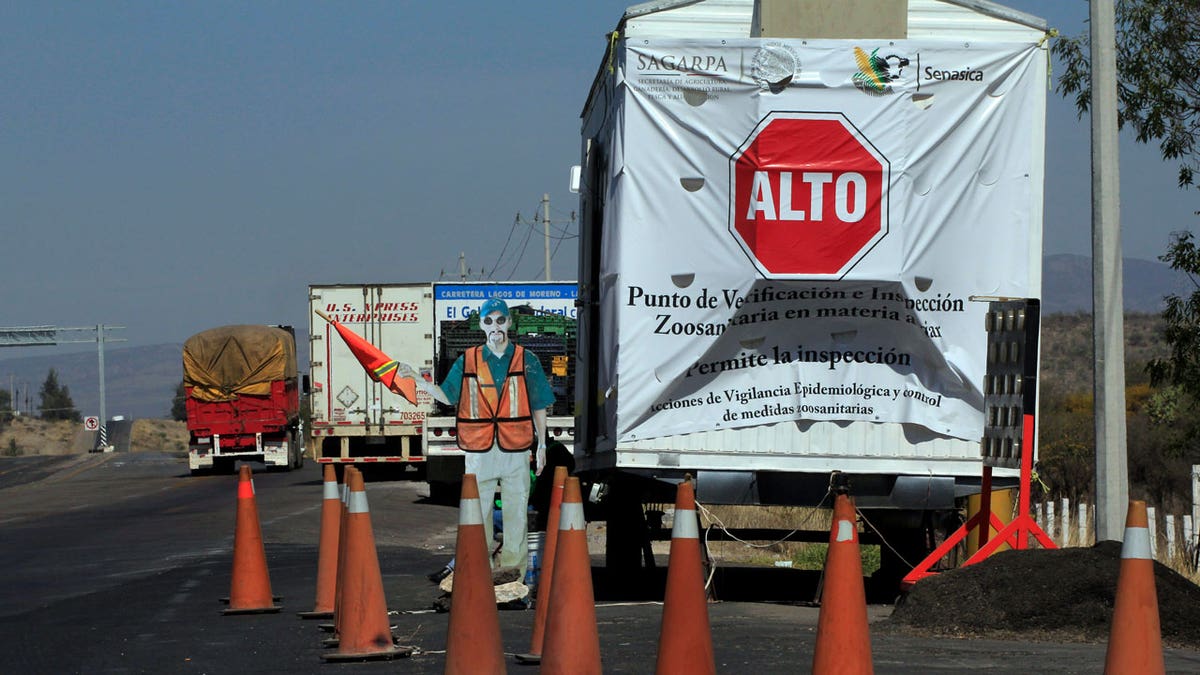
(495, 327)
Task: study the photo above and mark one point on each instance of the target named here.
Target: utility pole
(462, 266)
(103, 444)
(546, 230)
(1112, 474)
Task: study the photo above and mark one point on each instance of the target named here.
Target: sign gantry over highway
(810, 195)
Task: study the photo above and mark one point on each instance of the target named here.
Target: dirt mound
(1063, 595)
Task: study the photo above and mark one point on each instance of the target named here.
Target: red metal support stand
(1016, 534)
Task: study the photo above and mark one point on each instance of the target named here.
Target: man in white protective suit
(501, 396)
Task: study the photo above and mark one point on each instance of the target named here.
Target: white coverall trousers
(509, 470)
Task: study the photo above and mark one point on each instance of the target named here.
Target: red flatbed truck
(243, 398)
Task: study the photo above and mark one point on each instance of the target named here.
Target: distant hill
(141, 380)
(1067, 284)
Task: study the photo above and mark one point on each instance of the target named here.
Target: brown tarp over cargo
(223, 363)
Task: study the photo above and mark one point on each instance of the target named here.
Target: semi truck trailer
(790, 218)
(354, 419)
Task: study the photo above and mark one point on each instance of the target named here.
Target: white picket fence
(1171, 537)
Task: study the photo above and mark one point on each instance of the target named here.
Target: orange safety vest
(481, 418)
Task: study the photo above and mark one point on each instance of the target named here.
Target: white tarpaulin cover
(794, 229)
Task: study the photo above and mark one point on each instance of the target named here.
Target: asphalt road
(117, 563)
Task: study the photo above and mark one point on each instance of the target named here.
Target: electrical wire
(512, 228)
(721, 525)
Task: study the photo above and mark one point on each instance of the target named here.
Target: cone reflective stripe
(572, 644)
(546, 578)
(379, 366)
(250, 587)
(685, 638)
(843, 640)
(364, 632)
(327, 553)
(1135, 638)
(473, 644)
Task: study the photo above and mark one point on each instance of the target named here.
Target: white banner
(795, 229)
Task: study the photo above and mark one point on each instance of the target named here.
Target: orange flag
(379, 366)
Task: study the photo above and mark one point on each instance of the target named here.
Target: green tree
(56, 400)
(179, 404)
(1158, 95)
(1181, 319)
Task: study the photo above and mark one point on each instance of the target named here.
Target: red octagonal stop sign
(809, 195)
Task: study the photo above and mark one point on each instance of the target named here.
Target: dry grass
(780, 518)
(1066, 350)
(166, 436)
(783, 520)
(30, 436)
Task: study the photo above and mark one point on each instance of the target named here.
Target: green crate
(543, 323)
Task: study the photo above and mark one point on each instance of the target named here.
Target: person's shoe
(437, 576)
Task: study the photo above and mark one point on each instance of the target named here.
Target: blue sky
(169, 167)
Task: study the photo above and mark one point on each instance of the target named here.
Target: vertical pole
(546, 230)
(1082, 526)
(985, 507)
(1026, 476)
(1066, 522)
(103, 412)
(1169, 526)
(462, 266)
(1112, 479)
(1187, 532)
(1196, 499)
(1152, 521)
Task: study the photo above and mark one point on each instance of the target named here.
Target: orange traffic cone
(1135, 640)
(364, 632)
(327, 553)
(250, 590)
(572, 645)
(332, 626)
(546, 578)
(685, 639)
(473, 645)
(843, 641)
